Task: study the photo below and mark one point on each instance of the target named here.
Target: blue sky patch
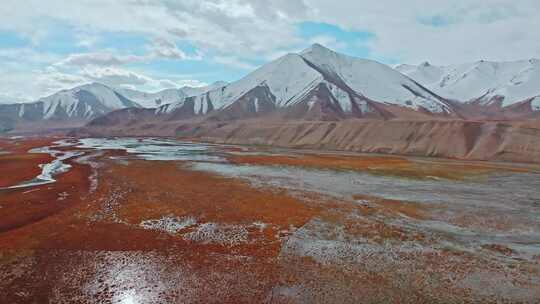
(10, 40)
(353, 43)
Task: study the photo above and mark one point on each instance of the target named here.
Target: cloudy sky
(47, 45)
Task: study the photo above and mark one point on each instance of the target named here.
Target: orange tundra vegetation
(231, 241)
(17, 165)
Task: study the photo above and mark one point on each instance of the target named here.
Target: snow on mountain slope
(80, 103)
(286, 77)
(194, 91)
(485, 81)
(373, 80)
(153, 100)
(535, 104)
(167, 96)
(292, 77)
(425, 74)
(85, 101)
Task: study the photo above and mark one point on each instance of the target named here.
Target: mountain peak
(318, 45)
(95, 84)
(317, 48)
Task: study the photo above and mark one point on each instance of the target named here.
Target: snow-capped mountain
(84, 103)
(317, 80)
(487, 83)
(324, 100)
(167, 96)
(315, 84)
(81, 103)
(153, 100)
(194, 91)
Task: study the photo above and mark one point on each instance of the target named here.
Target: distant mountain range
(167, 96)
(315, 84)
(483, 82)
(318, 84)
(321, 85)
(81, 104)
(319, 98)
(484, 89)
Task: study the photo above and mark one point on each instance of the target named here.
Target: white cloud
(29, 84)
(470, 29)
(254, 29)
(237, 32)
(166, 49)
(234, 62)
(115, 76)
(239, 26)
(86, 40)
(99, 59)
(163, 48)
(189, 83)
(159, 49)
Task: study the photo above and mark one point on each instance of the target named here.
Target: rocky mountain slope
(79, 104)
(496, 89)
(319, 84)
(153, 100)
(167, 96)
(194, 91)
(315, 84)
(459, 139)
(324, 100)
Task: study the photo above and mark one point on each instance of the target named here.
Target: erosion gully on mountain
(321, 99)
(148, 220)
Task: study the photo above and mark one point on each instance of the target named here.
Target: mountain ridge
(354, 88)
(167, 96)
(78, 105)
(73, 106)
(321, 99)
(503, 83)
(338, 86)
(344, 87)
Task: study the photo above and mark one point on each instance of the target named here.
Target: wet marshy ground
(131, 220)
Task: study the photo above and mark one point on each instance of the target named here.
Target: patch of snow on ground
(223, 234)
(328, 243)
(169, 224)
